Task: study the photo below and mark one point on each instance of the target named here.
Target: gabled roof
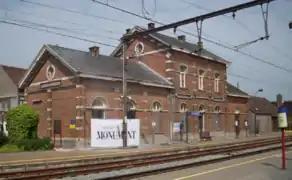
(234, 91)
(15, 73)
(263, 106)
(176, 44)
(83, 64)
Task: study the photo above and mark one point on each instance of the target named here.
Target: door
(201, 126)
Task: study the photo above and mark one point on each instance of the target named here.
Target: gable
(37, 70)
(8, 87)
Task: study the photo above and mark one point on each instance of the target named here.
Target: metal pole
(125, 98)
(2, 123)
(187, 127)
(255, 123)
(283, 149)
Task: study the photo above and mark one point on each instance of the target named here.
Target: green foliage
(35, 144)
(22, 122)
(10, 148)
(3, 139)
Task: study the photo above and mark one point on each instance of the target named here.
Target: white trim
(79, 86)
(49, 100)
(49, 118)
(156, 85)
(79, 128)
(47, 81)
(79, 97)
(79, 117)
(38, 57)
(49, 109)
(152, 52)
(47, 71)
(169, 70)
(235, 95)
(79, 107)
(136, 48)
(169, 61)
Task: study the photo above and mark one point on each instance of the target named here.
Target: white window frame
(201, 80)
(156, 106)
(216, 82)
(183, 107)
(182, 76)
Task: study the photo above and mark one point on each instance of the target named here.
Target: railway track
(136, 161)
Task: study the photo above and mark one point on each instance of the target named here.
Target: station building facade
(166, 78)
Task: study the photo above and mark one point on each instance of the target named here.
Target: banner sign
(108, 132)
(282, 117)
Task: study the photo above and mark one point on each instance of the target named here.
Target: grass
(9, 148)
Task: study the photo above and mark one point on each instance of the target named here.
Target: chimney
(128, 31)
(237, 85)
(151, 25)
(182, 38)
(94, 51)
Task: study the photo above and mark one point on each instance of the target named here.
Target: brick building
(165, 79)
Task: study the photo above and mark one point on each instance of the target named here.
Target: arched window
(183, 107)
(131, 113)
(216, 82)
(98, 106)
(202, 108)
(182, 75)
(156, 106)
(217, 118)
(201, 79)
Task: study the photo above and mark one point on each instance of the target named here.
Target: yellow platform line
(228, 167)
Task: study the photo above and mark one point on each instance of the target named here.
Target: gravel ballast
(111, 174)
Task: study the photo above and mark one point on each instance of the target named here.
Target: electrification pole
(125, 96)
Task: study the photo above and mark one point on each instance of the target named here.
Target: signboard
(194, 113)
(72, 124)
(176, 127)
(282, 117)
(108, 132)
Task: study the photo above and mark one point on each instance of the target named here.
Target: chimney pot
(94, 51)
(128, 31)
(151, 25)
(182, 38)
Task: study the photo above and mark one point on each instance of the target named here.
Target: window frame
(201, 79)
(182, 75)
(217, 82)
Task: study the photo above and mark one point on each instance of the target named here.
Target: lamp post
(259, 90)
(255, 121)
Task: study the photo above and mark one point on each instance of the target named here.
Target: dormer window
(139, 48)
(216, 82)
(182, 75)
(201, 79)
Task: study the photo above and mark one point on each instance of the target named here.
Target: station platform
(265, 166)
(62, 155)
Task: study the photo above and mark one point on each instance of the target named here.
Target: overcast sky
(19, 45)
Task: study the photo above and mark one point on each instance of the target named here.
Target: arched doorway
(98, 108)
(155, 113)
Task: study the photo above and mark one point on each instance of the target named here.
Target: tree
(22, 123)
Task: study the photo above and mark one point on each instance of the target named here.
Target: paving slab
(266, 166)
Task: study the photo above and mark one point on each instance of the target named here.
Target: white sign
(176, 127)
(108, 132)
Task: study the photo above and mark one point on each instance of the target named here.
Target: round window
(139, 48)
(50, 72)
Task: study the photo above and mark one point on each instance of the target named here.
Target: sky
(91, 23)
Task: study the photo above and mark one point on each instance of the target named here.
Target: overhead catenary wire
(241, 24)
(102, 43)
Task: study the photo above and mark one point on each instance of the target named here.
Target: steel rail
(124, 164)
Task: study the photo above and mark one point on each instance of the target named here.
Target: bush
(22, 122)
(35, 144)
(10, 148)
(3, 139)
